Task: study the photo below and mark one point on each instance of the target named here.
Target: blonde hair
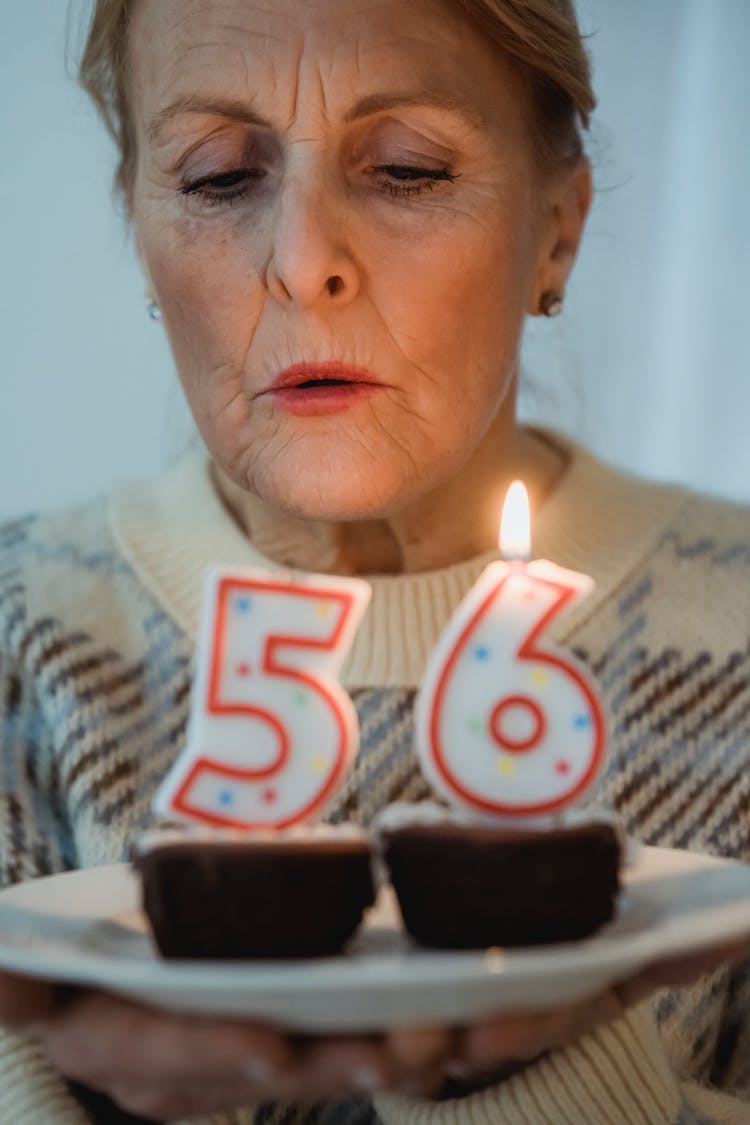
(541, 36)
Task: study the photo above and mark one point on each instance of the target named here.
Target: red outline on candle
(216, 706)
(520, 745)
(527, 651)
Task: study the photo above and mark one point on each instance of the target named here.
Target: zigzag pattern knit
(98, 610)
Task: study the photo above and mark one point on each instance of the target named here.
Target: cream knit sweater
(98, 614)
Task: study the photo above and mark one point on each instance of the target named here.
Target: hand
(168, 1066)
(489, 1050)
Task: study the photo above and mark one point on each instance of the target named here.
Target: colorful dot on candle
(506, 765)
(243, 604)
(482, 652)
(301, 698)
(539, 677)
(243, 669)
(562, 766)
(580, 722)
(269, 796)
(225, 797)
(322, 609)
(476, 726)
(529, 595)
(318, 763)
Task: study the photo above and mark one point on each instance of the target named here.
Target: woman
(344, 213)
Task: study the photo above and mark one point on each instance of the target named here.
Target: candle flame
(515, 525)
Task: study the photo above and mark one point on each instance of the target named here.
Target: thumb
(23, 999)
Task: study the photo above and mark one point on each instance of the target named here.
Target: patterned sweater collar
(597, 520)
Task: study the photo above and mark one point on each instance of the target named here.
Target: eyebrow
(229, 108)
(235, 110)
(431, 99)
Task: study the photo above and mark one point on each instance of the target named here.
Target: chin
(335, 496)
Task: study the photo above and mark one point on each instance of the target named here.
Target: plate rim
(604, 957)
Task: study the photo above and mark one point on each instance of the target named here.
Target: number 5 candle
(507, 725)
(271, 733)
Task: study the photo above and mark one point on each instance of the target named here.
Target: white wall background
(649, 366)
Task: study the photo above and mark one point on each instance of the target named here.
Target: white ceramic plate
(85, 927)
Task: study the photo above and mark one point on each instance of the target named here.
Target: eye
(223, 187)
(405, 180)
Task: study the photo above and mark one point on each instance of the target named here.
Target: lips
(331, 373)
(321, 388)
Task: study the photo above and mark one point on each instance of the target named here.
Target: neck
(439, 530)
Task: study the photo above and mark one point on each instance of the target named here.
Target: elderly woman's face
(339, 190)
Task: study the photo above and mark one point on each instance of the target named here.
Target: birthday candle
(508, 725)
(272, 733)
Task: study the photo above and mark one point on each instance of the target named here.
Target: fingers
(191, 1098)
(331, 1067)
(23, 999)
(169, 1066)
(421, 1057)
(414, 1048)
(491, 1045)
(524, 1036)
(97, 1035)
(478, 1054)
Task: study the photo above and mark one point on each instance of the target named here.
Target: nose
(310, 263)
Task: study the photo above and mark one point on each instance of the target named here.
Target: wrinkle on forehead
(172, 39)
(301, 54)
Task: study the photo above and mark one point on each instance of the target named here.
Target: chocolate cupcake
(464, 885)
(228, 894)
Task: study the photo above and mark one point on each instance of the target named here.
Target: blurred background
(648, 366)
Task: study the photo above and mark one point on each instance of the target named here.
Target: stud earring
(550, 303)
(153, 309)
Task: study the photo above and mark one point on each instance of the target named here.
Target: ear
(567, 199)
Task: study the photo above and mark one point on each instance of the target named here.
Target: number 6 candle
(271, 733)
(507, 725)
